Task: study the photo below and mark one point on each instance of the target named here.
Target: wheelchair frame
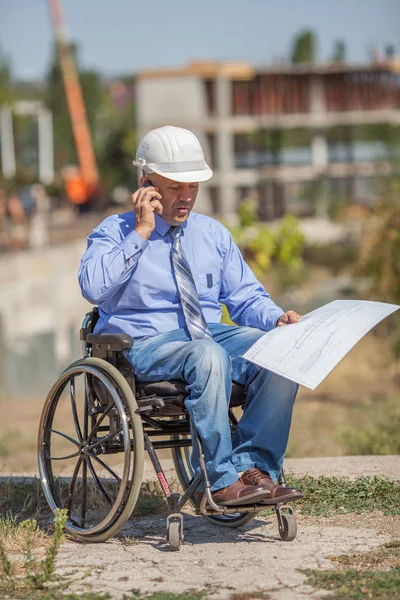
(121, 415)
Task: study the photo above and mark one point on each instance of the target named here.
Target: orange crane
(80, 184)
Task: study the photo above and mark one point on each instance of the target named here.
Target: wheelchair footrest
(231, 510)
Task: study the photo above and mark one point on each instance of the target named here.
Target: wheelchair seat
(176, 388)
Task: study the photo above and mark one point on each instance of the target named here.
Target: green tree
(57, 102)
(304, 47)
(339, 51)
(5, 79)
(117, 154)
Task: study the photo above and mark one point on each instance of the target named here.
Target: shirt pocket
(208, 285)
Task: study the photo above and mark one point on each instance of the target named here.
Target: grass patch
(374, 574)
(325, 496)
(24, 499)
(356, 585)
(59, 595)
(384, 558)
(151, 499)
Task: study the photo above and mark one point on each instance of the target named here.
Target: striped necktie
(194, 317)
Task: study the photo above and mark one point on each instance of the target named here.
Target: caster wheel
(174, 535)
(287, 527)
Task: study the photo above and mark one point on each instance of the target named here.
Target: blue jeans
(208, 367)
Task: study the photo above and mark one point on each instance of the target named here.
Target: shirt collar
(162, 226)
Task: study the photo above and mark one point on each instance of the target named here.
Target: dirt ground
(226, 561)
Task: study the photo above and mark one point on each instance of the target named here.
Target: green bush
(265, 247)
(247, 213)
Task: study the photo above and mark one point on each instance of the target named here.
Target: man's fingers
(145, 191)
(156, 206)
(283, 320)
(291, 316)
(145, 195)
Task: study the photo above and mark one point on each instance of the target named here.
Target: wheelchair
(96, 424)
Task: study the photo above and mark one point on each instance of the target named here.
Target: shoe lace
(258, 476)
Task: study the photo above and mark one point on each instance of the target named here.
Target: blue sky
(123, 36)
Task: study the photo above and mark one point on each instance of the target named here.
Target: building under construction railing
(293, 91)
(291, 136)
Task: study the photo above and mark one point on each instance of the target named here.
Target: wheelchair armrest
(114, 342)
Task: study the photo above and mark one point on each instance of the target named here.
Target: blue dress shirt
(132, 280)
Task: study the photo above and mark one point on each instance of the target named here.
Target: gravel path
(345, 466)
(226, 561)
(223, 561)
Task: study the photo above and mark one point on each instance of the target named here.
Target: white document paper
(308, 350)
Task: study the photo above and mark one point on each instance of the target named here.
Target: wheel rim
(91, 450)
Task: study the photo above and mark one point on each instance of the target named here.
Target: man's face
(177, 198)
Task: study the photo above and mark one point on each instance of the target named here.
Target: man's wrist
(144, 232)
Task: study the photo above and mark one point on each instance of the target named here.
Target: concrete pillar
(225, 148)
(319, 146)
(319, 150)
(317, 100)
(7, 143)
(46, 151)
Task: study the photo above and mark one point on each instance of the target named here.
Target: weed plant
(37, 573)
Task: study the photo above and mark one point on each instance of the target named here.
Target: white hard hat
(174, 153)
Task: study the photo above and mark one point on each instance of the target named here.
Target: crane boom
(76, 105)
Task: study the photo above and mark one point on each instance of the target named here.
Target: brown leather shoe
(278, 493)
(239, 493)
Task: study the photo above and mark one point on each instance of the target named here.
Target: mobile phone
(148, 183)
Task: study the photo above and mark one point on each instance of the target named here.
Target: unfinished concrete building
(287, 136)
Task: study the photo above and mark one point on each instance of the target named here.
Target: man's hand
(291, 316)
(146, 201)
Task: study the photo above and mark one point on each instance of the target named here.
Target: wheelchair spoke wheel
(184, 470)
(90, 449)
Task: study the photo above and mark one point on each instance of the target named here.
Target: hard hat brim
(187, 176)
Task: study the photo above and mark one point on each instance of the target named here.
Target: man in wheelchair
(160, 274)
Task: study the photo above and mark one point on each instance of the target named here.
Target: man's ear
(144, 179)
